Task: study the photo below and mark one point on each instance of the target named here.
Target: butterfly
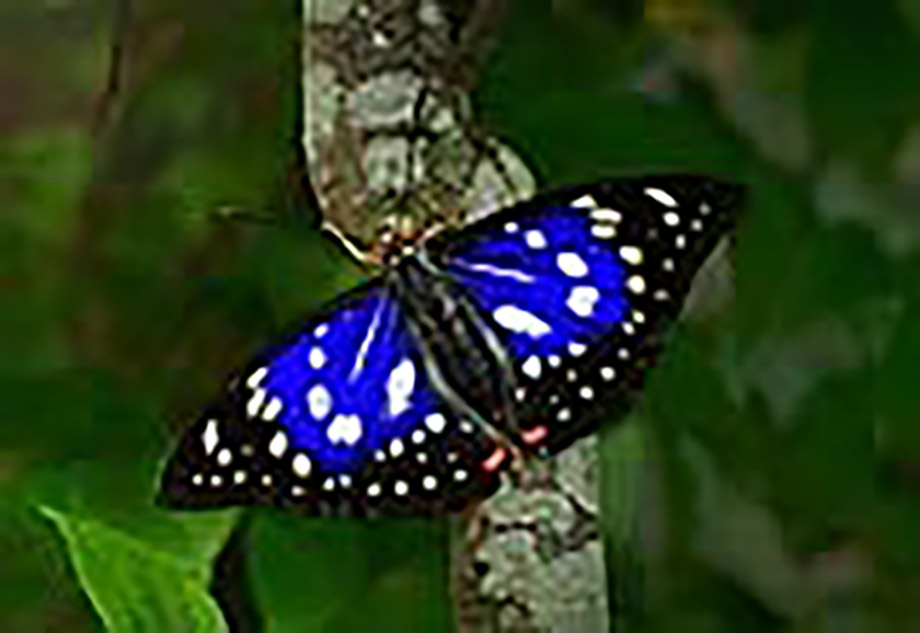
(476, 347)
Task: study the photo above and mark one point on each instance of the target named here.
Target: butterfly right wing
(340, 418)
(580, 286)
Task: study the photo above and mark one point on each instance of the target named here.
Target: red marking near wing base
(494, 461)
(534, 435)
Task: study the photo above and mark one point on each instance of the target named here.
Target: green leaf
(134, 587)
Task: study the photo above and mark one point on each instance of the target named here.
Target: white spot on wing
(317, 358)
(582, 299)
(429, 482)
(661, 196)
(401, 488)
(224, 457)
(535, 239)
(272, 409)
(255, 402)
(636, 284)
(671, 218)
(344, 428)
(278, 444)
(396, 447)
(301, 465)
(435, 422)
(511, 227)
(257, 377)
(607, 215)
(571, 264)
(210, 437)
(631, 255)
(577, 349)
(604, 232)
(532, 367)
(319, 401)
(400, 385)
(513, 318)
(584, 202)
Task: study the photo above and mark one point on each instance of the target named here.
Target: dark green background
(781, 433)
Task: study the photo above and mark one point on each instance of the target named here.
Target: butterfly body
(512, 336)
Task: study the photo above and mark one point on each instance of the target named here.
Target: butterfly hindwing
(580, 284)
(341, 417)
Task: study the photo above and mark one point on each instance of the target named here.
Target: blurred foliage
(774, 483)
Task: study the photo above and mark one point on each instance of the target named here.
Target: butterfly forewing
(341, 418)
(579, 285)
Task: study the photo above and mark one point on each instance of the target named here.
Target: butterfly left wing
(579, 285)
(340, 418)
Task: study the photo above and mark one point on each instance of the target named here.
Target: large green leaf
(134, 587)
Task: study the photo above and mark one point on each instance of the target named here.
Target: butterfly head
(400, 236)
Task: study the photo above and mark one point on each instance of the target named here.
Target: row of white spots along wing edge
(344, 427)
(607, 218)
(302, 466)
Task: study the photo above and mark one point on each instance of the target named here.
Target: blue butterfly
(510, 337)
